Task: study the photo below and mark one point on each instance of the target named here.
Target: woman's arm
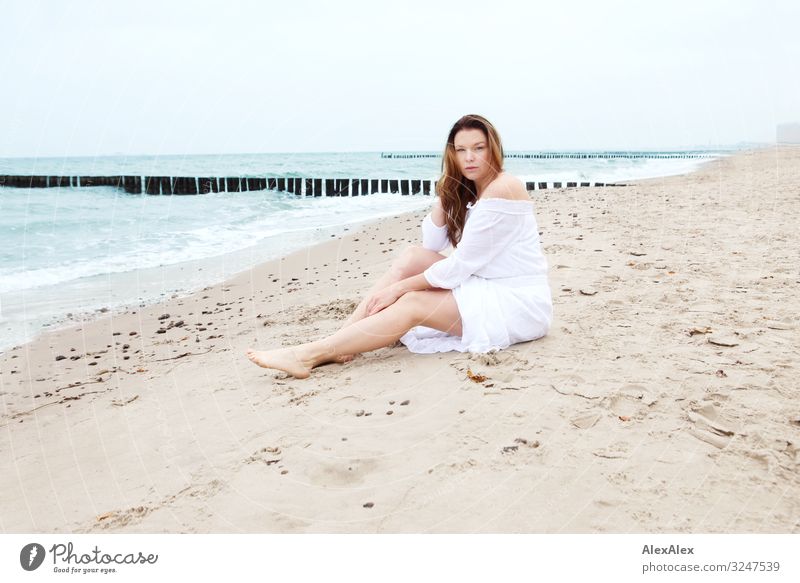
(434, 234)
(390, 294)
(413, 283)
(486, 234)
(437, 213)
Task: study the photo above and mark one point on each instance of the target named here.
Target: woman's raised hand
(383, 299)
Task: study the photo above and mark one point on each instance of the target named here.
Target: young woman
(490, 292)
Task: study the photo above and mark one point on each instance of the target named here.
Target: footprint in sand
(576, 385)
(618, 450)
(265, 455)
(586, 419)
(709, 425)
(630, 402)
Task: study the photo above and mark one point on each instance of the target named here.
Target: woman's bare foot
(284, 359)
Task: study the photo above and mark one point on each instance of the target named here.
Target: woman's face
(472, 153)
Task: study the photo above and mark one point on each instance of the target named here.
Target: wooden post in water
(132, 184)
(166, 185)
(152, 185)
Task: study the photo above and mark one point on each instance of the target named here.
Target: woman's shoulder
(506, 186)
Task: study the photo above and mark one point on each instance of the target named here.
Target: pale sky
(87, 78)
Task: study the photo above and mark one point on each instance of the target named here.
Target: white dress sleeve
(485, 235)
(433, 237)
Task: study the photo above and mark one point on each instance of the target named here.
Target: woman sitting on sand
(492, 290)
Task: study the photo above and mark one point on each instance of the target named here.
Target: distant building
(788, 133)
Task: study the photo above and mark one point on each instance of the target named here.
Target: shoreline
(81, 316)
(163, 283)
(664, 398)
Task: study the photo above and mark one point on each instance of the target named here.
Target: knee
(413, 304)
(405, 264)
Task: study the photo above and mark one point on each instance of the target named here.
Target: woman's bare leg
(387, 279)
(436, 309)
(414, 261)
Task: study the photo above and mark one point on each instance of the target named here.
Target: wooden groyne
(578, 155)
(181, 185)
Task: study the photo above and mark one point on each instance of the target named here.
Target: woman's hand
(383, 299)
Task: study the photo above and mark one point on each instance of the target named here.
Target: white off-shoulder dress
(498, 276)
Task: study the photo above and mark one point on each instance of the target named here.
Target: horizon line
(738, 145)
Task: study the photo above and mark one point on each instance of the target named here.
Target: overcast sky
(136, 77)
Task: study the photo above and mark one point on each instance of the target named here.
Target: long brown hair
(454, 189)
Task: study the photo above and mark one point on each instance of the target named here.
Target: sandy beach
(665, 398)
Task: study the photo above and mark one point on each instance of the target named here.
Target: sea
(69, 253)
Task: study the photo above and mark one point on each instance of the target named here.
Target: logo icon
(31, 556)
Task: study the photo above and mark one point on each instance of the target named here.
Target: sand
(665, 398)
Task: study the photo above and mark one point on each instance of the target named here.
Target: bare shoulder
(506, 186)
